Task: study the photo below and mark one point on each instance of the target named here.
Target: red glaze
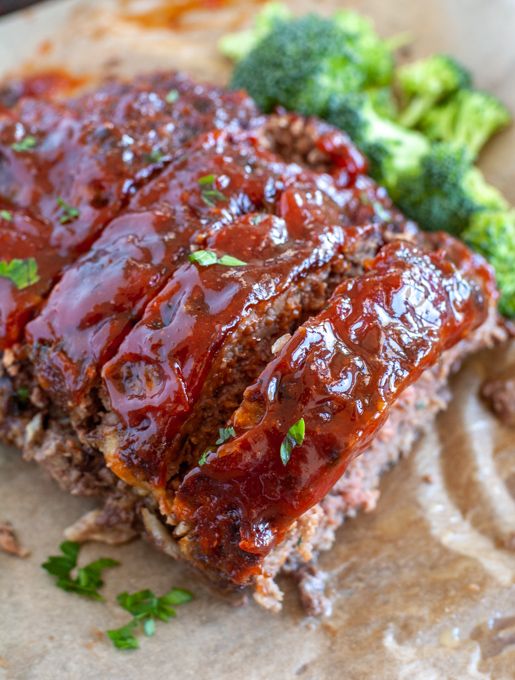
(47, 84)
(341, 371)
(139, 251)
(95, 151)
(23, 237)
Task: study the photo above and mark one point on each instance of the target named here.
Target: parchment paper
(424, 586)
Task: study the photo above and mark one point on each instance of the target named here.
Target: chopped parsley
(294, 437)
(210, 194)
(6, 215)
(205, 258)
(23, 273)
(172, 96)
(26, 144)
(22, 394)
(203, 458)
(146, 608)
(224, 434)
(88, 579)
(155, 156)
(68, 212)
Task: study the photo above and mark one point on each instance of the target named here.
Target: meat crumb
(9, 543)
(500, 395)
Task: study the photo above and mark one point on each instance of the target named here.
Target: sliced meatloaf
(242, 334)
(74, 165)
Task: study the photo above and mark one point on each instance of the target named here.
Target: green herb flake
(22, 394)
(68, 212)
(230, 261)
(146, 608)
(26, 144)
(124, 638)
(205, 258)
(210, 194)
(203, 458)
(172, 96)
(6, 215)
(155, 156)
(224, 434)
(294, 437)
(88, 579)
(23, 273)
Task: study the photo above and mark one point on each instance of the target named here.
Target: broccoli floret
(493, 235)
(237, 45)
(299, 65)
(468, 118)
(376, 55)
(392, 150)
(426, 83)
(445, 191)
(382, 101)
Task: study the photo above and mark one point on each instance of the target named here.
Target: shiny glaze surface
(139, 251)
(94, 152)
(341, 371)
(23, 237)
(156, 378)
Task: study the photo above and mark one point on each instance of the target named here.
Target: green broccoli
(445, 191)
(375, 54)
(493, 235)
(299, 65)
(237, 45)
(468, 119)
(392, 150)
(382, 101)
(425, 83)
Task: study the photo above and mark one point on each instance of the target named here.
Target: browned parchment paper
(424, 586)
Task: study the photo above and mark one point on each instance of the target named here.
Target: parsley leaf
(23, 273)
(203, 458)
(172, 96)
(146, 608)
(294, 437)
(224, 434)
(210, 194)
(22, 394)
(88, 579)
(26, 144)
(207, 257)
(155, 156)
(124, 638)
(6, 215)
(69, 213)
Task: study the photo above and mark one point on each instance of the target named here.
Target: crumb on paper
(500, 396)
(427, 479)
(9, 542)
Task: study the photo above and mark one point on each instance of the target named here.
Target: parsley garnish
(6, 215)
(203, 458)
(294, 438)
(88, 579)
(172, 96)
(25, 144)
(208, 191)
(69, 213)
(23, 273)
(146, 608)
(224, 434)
(23, 394)
(207, 257)
(155, 156)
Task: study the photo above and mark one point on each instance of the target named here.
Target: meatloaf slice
(338, 378)
(74, 165)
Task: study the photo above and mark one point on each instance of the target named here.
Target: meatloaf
(229, 332)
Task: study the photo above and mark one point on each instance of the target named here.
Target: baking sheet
(424, 586)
